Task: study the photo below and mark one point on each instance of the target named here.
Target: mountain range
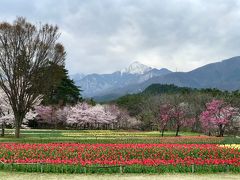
(99, 84)
(224, 75)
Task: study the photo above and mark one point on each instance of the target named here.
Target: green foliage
(90, 101)
(63, 90)
(134, 102)
(165, 88)
(131, 103)
(78, 169)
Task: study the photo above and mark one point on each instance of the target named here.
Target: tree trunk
(17, 131)
(18, 123)
(221, 131)
(178, 128)
(3, 130)
(163, 131)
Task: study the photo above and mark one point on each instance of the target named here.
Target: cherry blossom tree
(164, 117)
(182, 116)
(5, 110)
(7, 116)
(217, 115)
(78, 115)
(84, 115)
(51, 115)
(122, 120)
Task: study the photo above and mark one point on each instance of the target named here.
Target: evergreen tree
(64, 92)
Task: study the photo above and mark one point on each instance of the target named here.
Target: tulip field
(147, 153)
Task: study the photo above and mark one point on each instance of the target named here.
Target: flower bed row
(143, 156)
(191, 140)
(236, 146)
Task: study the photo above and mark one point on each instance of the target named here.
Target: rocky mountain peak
(136, 68)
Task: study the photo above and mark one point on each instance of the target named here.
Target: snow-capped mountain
(136, 68)
(97, 84)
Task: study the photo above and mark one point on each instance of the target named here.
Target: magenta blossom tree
(165, 115)
(182, 116)
(217, 116)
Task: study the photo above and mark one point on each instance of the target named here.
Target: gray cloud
(106, 35)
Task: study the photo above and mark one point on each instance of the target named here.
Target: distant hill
(165, 88)
(224, 75)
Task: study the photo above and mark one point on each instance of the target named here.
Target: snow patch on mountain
(136, 68)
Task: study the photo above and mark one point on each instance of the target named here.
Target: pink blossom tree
(182, 116)
(217, 115)
(164, 117)
(103, 116)
(122, 120)
(7, 115)
(78, 115)
(51, 115)
(84, 115)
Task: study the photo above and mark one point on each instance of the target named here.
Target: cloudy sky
(102, 36)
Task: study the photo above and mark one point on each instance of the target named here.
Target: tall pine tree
(62, 92)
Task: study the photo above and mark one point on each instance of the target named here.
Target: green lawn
(26, 176)
(92, 133)
(106, 136)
